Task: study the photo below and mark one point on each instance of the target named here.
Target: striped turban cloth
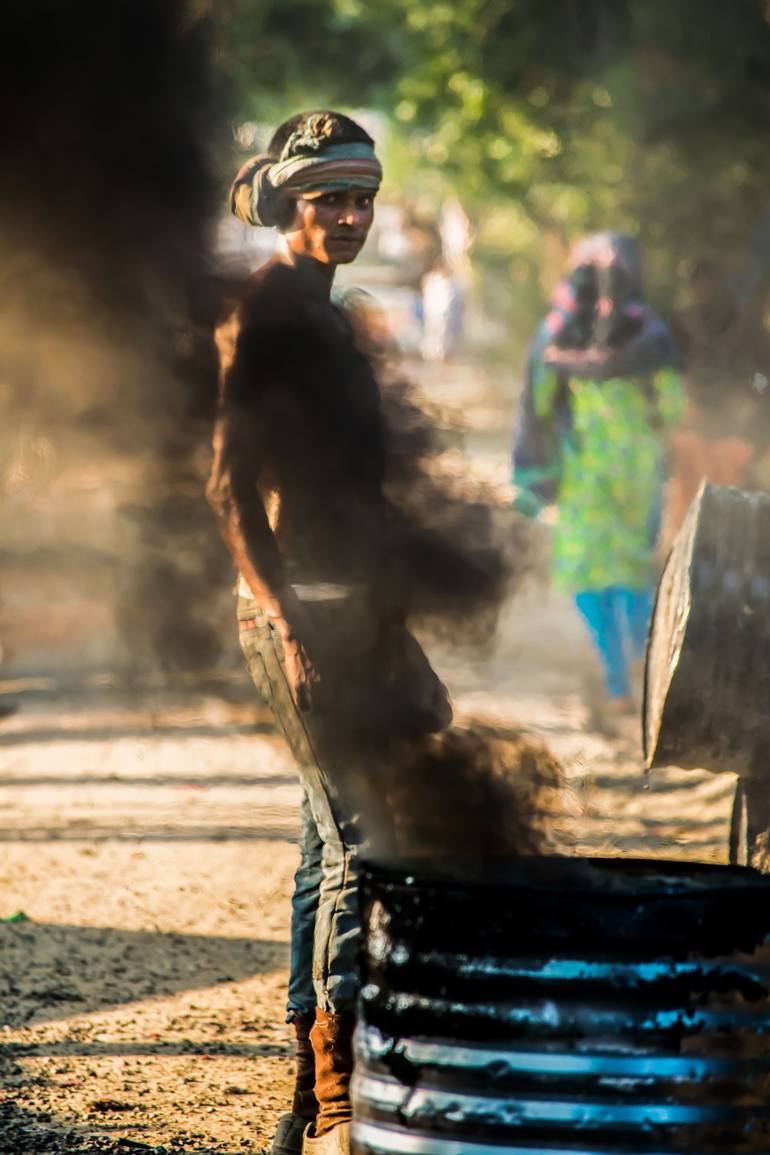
(311, 164)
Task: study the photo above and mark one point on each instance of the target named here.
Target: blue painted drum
(565, 1006)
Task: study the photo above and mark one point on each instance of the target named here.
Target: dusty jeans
(325, 921)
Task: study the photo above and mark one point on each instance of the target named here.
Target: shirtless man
(300, 456)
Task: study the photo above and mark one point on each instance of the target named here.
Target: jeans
(325, 925)
(617, 619)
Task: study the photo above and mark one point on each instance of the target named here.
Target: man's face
(332, 228)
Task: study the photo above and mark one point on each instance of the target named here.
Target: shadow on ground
(52, 972)
(26, 1133)
(96, 832)
(117, 732)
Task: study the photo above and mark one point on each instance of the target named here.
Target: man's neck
(321, 274)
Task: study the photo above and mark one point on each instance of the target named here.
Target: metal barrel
(562, 1005)
(707, 682)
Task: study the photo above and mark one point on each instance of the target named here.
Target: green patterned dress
(611, 477)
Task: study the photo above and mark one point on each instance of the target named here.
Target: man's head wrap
(318, 157)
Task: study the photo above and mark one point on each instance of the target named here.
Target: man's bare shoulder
(264, 295)
(266, 300)
(270, 292)
(257, 336)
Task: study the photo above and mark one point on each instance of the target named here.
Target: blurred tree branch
(643, 114)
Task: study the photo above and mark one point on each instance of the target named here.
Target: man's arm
(232, 492)
(233, 495)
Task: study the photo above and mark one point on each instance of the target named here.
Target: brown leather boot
(305, 1102)
(332, 1041)
(292, 1126)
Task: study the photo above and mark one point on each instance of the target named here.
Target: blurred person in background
(726, 431)
(442, 308)
(456, 233)
(445, 285)
(602, 392)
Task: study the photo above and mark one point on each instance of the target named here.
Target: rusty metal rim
(391, 1141)
(560, 874)
(425, 1103)
(631, 973)
(371, 1045)
(591, 1019)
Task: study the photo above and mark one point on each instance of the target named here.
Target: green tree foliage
(548, 118)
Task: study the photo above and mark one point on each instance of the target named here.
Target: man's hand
(301, 674)
(297, 635)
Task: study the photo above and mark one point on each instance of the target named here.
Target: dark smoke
(473, 792)
(108, 186)
(358, 463)
(458, 565)
(365, 502)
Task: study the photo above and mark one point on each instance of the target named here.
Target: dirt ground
(148, 851)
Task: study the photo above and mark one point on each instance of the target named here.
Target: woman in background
(602, 389)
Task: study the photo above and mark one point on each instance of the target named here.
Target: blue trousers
(617, 619)
(325, 925)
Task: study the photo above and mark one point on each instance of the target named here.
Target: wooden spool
(707, 681)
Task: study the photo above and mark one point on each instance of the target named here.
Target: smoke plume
(364, 503)
(107, 191)
(108, 188)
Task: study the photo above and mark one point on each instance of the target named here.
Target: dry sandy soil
(148, 850)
